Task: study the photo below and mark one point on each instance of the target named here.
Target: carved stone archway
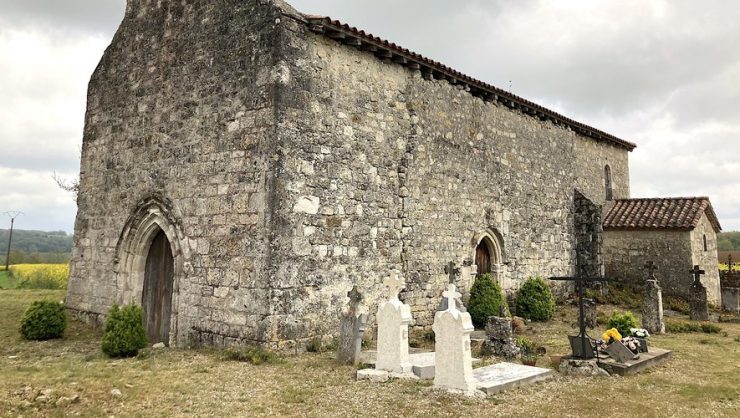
(490, 241)
(152, 216)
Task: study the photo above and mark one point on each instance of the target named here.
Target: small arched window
(608, 183)
(705, 243)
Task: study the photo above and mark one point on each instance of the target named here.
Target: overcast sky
(663, 74)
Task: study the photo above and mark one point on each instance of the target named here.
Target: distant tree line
(728, 241)
(36, 247)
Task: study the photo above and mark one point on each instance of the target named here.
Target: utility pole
(13, 215)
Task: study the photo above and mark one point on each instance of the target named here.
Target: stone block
(375, 376)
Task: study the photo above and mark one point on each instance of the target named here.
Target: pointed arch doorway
(483, 257)
(489, 255)
(156, 300)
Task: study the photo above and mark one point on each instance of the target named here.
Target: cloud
(662, 73)
(44, 205)
(82, 16)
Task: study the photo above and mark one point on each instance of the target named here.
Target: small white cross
(394, 284)
(451, 294)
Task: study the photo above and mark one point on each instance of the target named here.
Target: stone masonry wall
(627, 252)
(591, 159)
(182, 106)
(289, 167)
(708, 259)
(391, 171)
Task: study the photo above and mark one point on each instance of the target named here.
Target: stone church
(244, 164)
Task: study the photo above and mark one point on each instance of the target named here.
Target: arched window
(608, 183)
(705, 243)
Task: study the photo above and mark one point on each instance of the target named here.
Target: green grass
(6, 280)
(702, 379)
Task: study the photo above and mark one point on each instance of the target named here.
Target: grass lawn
(6, 281)
(703, 379)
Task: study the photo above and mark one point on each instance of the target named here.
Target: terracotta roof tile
(676, 213)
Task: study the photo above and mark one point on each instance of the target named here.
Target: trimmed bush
(534, 300)
(623, 322)
(486, 299)
(124, 331)
(43, 320)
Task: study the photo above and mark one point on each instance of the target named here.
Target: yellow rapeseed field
(41, 276)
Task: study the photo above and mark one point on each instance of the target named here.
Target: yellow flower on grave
(611, 334)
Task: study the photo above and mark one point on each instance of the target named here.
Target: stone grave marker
(454, 364)
(698, 305)
(652, 303)
(393, 319)
(619, 352)
(500, 337)
(351, 329)
(453, 273)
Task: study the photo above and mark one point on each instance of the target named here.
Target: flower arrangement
(632, 344)
(640, 332)
(611, 335)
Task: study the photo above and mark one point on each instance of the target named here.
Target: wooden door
(157, 295)
(483, 258)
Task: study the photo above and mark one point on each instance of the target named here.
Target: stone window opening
(705, 243)
(608, 183)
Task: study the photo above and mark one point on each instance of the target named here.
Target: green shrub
(623, 322)
(253, 354)
(124, 331)
(486, 299)
(43, 320)
(534, 300)
(686, 327)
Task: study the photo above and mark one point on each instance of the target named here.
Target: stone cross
(451, 294)
(454, 273)
(351, 329)
(453, 369)
(697, 272)
(394, 285)
(652, 303)
(393, 319)
(651, 267)
(729, 263)
(698, 305)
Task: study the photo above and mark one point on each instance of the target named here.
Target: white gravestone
(394, 318)
(454, 362)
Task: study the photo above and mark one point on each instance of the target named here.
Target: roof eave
(431, 69)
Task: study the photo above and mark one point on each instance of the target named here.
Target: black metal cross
(697, 272)
(583, 336)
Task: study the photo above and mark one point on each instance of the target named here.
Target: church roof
(431, 69)
(676, 213)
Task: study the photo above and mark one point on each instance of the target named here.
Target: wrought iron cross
(580, 285)
(651, 267)
(697, 272)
